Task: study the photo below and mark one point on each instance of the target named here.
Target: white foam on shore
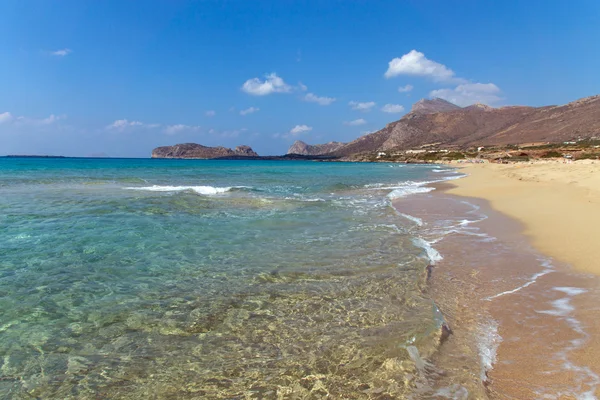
(443, 170)
(416, 220)
(432, 254)
(204, 190)
(588, 381)
(407, 191)
(530, 282)
(489, 340)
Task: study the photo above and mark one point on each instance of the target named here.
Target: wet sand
(558, 206)
(529, 320)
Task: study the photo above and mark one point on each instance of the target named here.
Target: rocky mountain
(432, 106)
(299, 147)
(439, 123)
(193, 150)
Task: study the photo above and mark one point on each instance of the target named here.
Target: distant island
(31, 156)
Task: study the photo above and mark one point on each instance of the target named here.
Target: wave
(203, 190)
(488, 343)
(432, 254)
(443, 170)
(407, 191)
(416, 220)
(548, 269)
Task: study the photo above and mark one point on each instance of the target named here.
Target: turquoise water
(142, 278)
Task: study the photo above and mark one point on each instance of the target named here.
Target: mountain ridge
(435, 123)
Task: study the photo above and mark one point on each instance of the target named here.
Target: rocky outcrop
(480, 125)
(193, 150)
(299, 147)
(245, 151)
(432, 106)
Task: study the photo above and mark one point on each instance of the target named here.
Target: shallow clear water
(209, 279)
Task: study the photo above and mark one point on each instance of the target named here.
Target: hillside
(299, 147)
(439, 123)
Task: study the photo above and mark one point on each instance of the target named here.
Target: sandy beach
(557, 207)
(559, 204)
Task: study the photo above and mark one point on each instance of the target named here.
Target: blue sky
(119, 78)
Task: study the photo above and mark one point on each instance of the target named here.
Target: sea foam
(204, 190)
(432, 254)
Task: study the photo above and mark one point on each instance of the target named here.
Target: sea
(215, 279)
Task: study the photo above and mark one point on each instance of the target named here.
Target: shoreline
(548, 324)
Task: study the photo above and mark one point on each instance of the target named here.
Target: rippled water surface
(210, 279)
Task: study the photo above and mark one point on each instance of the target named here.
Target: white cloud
(366, 106)
(272, 84)
(5, 117)
(249, 110)
(323, 101)
(415, 63)
(174, 129)
(8, 117)
(392, 108)
(210, 113)
(302, 87)
(470, 93)
(356, 122)
(405, 89)
(298, 129)
(61, 53)
(51, 119)
(124, 124)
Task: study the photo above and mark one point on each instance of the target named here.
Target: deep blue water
(131, 278)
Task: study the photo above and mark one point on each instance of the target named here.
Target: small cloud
(174, 129)
(8, 117)
(272, 84)
(470, 93)
(123, 124)
(405, 89)
(298, 129)
(356, 122)
(302, 87)
(51, 119)
(366, 106)
(416, 64)
(249, 110)
(61, 53)
(210, 113)
(5, 117)
(392, 108)
(323, 101)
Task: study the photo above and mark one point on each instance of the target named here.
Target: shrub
(551, 154)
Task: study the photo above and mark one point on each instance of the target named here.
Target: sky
(119, 78)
